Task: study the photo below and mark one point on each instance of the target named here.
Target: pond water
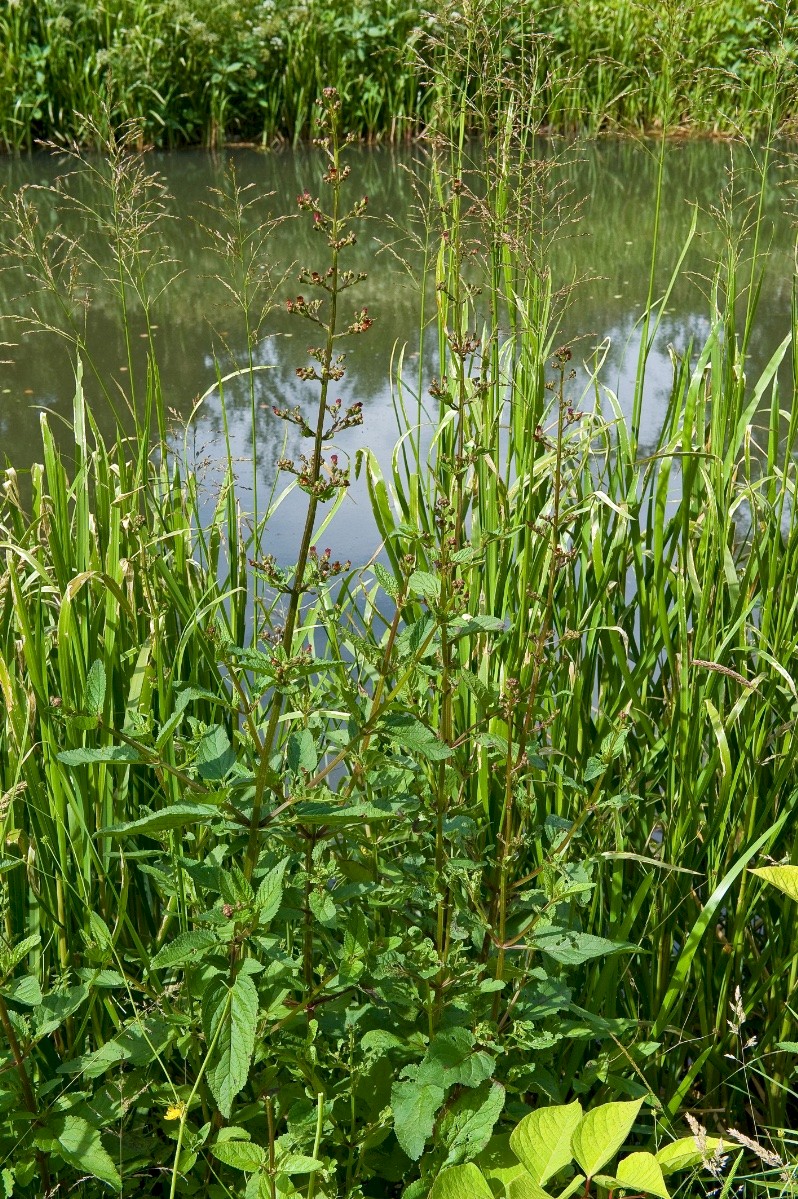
(612, 187)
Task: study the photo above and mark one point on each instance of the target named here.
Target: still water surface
(612, 188)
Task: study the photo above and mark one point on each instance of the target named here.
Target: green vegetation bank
(206, 71)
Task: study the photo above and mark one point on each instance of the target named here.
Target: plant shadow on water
(319, 873)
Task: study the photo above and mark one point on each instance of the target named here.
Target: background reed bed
(210, 72)
(319, 876)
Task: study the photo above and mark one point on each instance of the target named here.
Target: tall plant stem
(28, 1096)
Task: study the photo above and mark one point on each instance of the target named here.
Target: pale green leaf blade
(237, 1009)
(460, 1182)
(685, 1154)
(783, 877)
(270, 892)
(178, 815)
(469, 1122)
(602, 1132)
(241, 1155)
(542, 1141)
(642, 1172)
(95, 688)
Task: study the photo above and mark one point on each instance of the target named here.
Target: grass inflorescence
(324, 878)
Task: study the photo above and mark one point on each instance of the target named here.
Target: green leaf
(450, 1060)
(177, 816)
(186, 948)
(215, 755)
(25, 990)
(602, 1132)
(322, 905)
(270, 892)
(298, 1163)
(17, 953)
(241, 1155)
(116, 755)
(386, 580)
(409, 733)
(469, 1122)
(684, 1154)
(414, 1109)
(80, 1146)
(572, 948)
(642, 1172)
(460, 1182)
(236, 1009)
(783, 877)
(95, 688)
(501, 1169)
(542, 1140)
(421, 582)
(301, 752)
(57, 1007)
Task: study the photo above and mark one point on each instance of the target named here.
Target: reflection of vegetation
(207, 70)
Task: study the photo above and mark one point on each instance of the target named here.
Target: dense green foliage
(208, 70)
(320, 879)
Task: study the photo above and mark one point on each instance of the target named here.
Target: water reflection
(199, 334)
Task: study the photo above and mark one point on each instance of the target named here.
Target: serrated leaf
(684, 1154)
(241, 1155)
(386, 580)
(80, 1145)
(25, 990)
(642, 1172)
(236, 1010)
(56, 1007)
(322, 905)
(301, 752)
(179, 815)
(421, 582)
(572, 948)
(114, 755)
(17, 953)
(298, 1163)
(215, 755)
(602, 1132)
(783, 877)
(186, 947)
(594, 769)
(270, 892)
(409, 733)
(542, 1140)
(469, 1122)
(451, 1060)
(96, 688)
(460, 1182)
(414, 1109)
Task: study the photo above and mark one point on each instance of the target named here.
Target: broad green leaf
(542, 1140)
(17, 953)
(783, 877)
(25, 990)
(116, 755)
(80, 1145)
(460, 1182)
(684, 1154)
(177, 816)
(421, 582)
(451, 1059)
(409, 733)
(337, 814)
(56, 1007)
(642, 1172)
(322, 905)
(501, 1168)
(301, 752)
(602, 1132)
(468, 1124)
(95, 688)
(236, 1009)
(572, 948)
(298, 1163)
(414, 1109)
(241, 1155)
(186, 948)
(270, 892)
(215, 755)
